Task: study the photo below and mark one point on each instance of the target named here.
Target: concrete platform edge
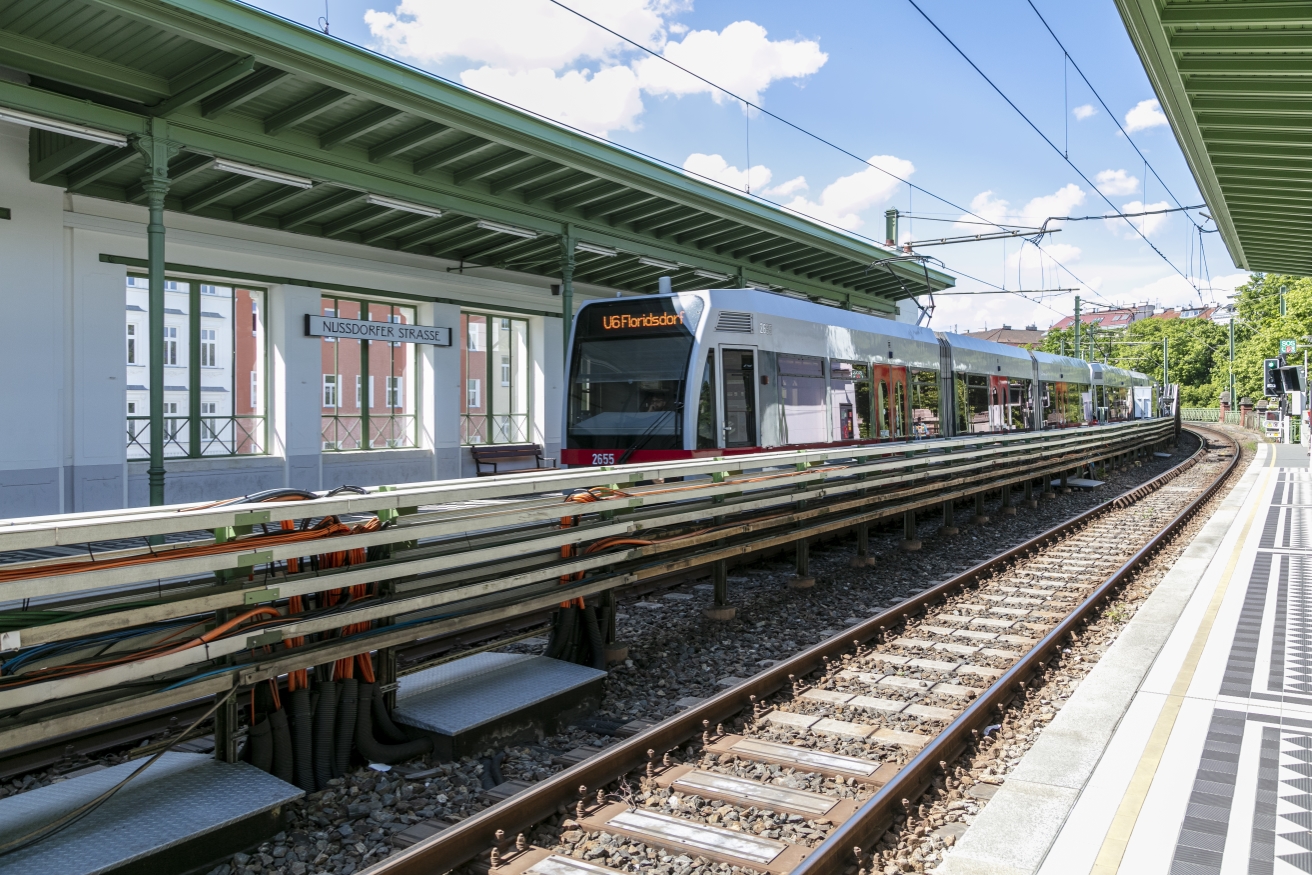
(1013, 834)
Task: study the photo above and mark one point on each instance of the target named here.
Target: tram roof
(1234, 78)
(224, 80)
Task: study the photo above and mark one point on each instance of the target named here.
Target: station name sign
(630, 321)
(361, 329)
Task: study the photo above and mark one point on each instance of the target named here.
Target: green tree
(1260, 328)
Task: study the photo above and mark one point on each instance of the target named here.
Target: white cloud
(791, 186)
(598, 103)
(740, 58)
(843, 200)
(1149, 225)
(1066, 253)
(988, 206)
(1146, 114)
(716, 168)
(1083, 112)
(516, 34)
(1116, 182)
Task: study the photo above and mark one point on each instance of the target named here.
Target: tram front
(628, 379)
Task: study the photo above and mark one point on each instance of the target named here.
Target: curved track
(824, 751)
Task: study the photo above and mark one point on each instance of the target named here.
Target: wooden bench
(495, 454)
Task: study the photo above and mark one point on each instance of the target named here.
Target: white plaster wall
(35, 442)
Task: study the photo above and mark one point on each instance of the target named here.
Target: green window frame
(214, 357)
(496, 379)
(371, 384)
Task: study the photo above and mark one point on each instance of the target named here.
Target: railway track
(800, 767)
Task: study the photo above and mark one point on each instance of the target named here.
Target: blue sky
(877, 80)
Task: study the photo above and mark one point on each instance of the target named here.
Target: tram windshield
(628, 372)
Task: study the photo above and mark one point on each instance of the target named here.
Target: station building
(201, 204)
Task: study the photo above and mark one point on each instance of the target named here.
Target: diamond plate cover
(179, 797)
(467, 693)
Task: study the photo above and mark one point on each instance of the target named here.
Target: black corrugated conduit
(325, 723)
(382, 719)
(261, 746)
(346, 707)
(302, 744)
(595, 642)
(370, 748)
(283, 760)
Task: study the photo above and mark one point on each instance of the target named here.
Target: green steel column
(1166, 363)
(157, 150)
(193, 369)
(567, 286)
(1234, 402)
(1079, 352)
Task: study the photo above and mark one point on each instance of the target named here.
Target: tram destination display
(362, 329)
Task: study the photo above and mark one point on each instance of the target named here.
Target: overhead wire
(1044, 136)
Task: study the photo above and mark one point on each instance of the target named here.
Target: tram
(730, 371)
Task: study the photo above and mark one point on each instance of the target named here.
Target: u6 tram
(730, 371)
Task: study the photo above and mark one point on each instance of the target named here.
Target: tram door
(738, 388)
(890, 397)
(999, 397)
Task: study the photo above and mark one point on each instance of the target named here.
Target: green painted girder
(536, 173)
(76, 68)
(1246, 87)
(395, 228)
(684, 220)
(608, 209)
(1243, 65)
(216, 191)
(234, 96)
(615, 270)
(736, 241)
(471, 240)
(544, 193)
(1259, 153)
(76, 152)
(502, 246)
(490, 166)
(801, 262)
(1236, 13)
(1274, 194)
(1241, 40)
(1269, 163)
(302, 111)
(446, 226)
(198, 91)
(181, 169)
(455, 152)
(421, 135)
(1272, 220)
(695, 227)
(751, 252)
(354, 220)
(266, 203)
(1246, 135)
(319, 209)
(641, 217)
(362, 124)
(626, 276)
(584, 196)
(102, 166)
(449, 239)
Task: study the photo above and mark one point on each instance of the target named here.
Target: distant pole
(1282, 300)
(1078, 351)
(1234, 402)
(1166, 380)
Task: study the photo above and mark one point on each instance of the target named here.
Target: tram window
(802, 397)
(923, 386)
(628, 390)
(882, 409)
(849, 385)
(1019, 410)
(972, 391)
(899, 409)
(706, 436)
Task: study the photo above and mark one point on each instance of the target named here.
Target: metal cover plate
(181, 796)
(467, 693)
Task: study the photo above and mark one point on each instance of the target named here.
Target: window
(208, 348)
(924, 403)
(802, 398)
(231, 419)
(170, 345)
(374, 421)
(849, 387)
(495, 356)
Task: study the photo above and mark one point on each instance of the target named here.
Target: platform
(1188, 748)
(183, 812)
(493, 699)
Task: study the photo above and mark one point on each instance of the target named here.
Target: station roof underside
(232, 82)
(1235, 79)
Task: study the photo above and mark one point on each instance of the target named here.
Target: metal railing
(242, 434)
(496, 428)
(1200, 414)
(386, 431)
(456, 555)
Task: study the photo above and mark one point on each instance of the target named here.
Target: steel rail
(467, 839)
(834, 854)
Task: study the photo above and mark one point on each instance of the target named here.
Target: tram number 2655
(603, 458)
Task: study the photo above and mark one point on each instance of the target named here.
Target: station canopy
(279, 126)
(1235, 79)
